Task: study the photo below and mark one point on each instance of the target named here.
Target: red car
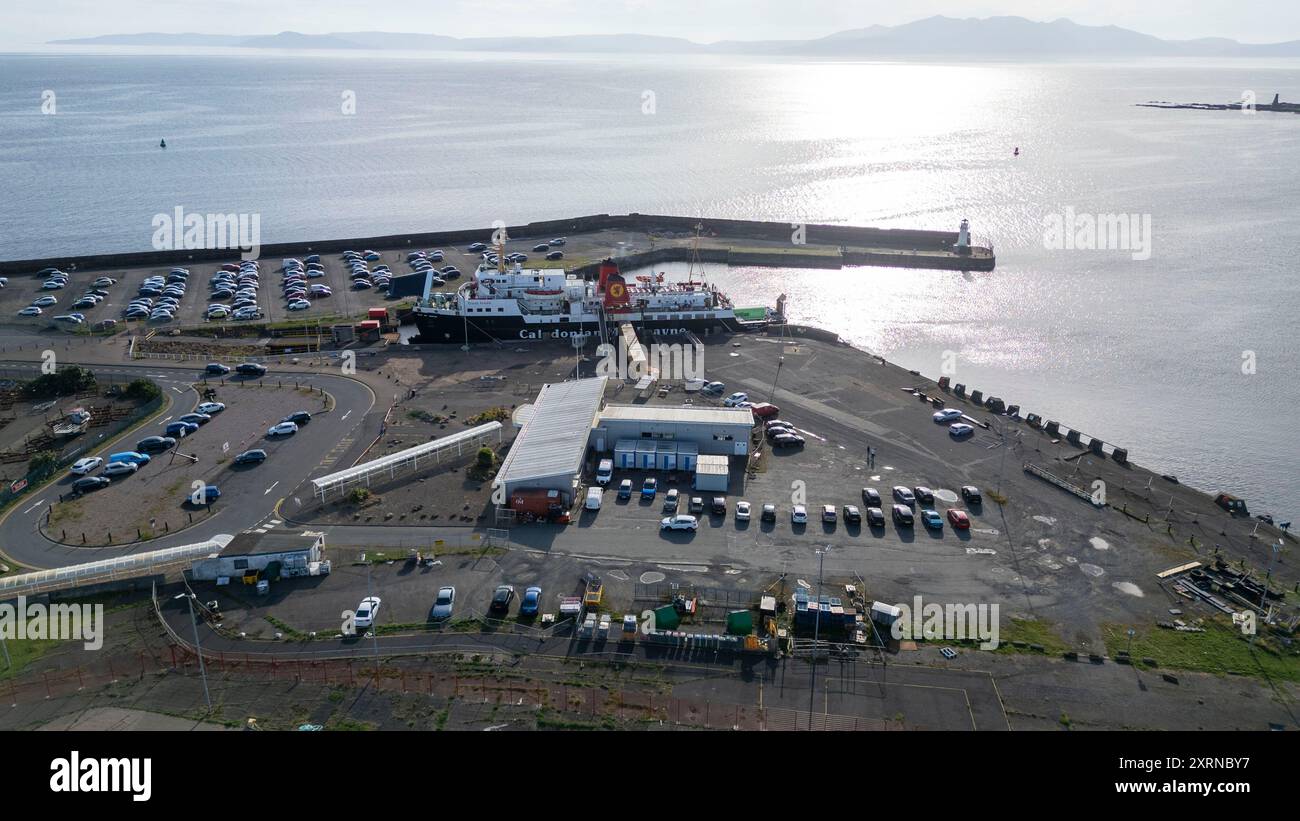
(959, 519)
(764, 410)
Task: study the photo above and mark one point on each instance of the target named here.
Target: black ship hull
(452, 329)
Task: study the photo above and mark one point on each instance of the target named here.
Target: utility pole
(780, 360)
(189, 599)
(812, 679)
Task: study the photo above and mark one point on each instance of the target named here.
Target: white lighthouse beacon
(963, 238)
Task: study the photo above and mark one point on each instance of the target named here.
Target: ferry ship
(510, 304)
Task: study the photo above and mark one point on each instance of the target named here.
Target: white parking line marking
(272, 487)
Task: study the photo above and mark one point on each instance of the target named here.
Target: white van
(594, 495)
(605, 471)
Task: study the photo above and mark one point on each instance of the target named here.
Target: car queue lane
(293, 463)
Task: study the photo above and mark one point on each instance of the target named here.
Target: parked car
(735, 399)
(211, 407)
(828, 514)
(742, 511)
(682, 521)
(83, 466)
(131, 456)
(875, 517)
(625, 489)
(932, 519)
(904, 495)
(719, 506)
(769, 513)
(870, 497)
(903, 516)
(30, 310)
(209, 494)
(180, 429)
(282, 429)
(196, 418)
(696, 505)
(531, 602)
(787, 440)
(924, 495)
(86, 483)
(251, 457)
(960, 430)
(298, 418)
(670, 501)
(367, 612)
(119, 468)
(958, 518)
(943, 417)
(852, 516)
(799, 515)
(444, 603)
(216, 369)
(251, 369)
(501, 599)
(649, 488)
(972, 495)
(155, 443)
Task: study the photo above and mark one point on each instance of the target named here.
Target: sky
(26, 23)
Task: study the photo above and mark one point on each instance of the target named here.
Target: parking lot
(156, 499)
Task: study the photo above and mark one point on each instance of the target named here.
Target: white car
(53, 285)
(118, 468)
(210, 408)
(742, 511)
(799, 515)
(83, 466)
(735, 399)
(30, 311)
(45, 301)
(282, 429)
(681, 521)
(960, 431)
(367, 612)
(947, 415)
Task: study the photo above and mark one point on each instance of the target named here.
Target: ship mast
(695, 257)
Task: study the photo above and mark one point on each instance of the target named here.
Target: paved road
(312, 452)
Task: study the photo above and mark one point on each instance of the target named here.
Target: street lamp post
(780, 360)
(189, 599)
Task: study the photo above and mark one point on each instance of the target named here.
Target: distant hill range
(991, 37)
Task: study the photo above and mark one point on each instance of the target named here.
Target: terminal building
(274, 554)
(712, 431)
(549, 450)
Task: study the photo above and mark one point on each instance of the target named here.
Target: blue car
(932, 519)
(130, 456)
(531, 602)
(181, 428)
(210, 495)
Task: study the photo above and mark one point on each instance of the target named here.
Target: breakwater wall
(873, 246)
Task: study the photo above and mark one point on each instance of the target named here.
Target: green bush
(43, 462)
(73, 379)
(143, 390)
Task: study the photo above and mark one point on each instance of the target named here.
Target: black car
(501, 599)
(780, 430)
(251, 369)
(870, 497)
(924, 496)
(719, 507)
(154, 443)
(86, 483)
(787, 440)
(852, 516)
(555, 255)
(541, 246)
(903, 516)
(972, 495)
(251, 457)
(298, 418)
(216, 369)
(875, 517)
(769, 513)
